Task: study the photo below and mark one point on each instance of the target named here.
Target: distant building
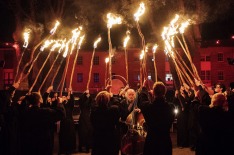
(214, 62)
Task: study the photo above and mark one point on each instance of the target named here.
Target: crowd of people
(131, 122)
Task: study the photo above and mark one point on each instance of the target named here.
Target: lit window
(220, 75)
(80, 60)
(95, 77)
(79, 77)
(96, 60)
(169, 77)
(220, 56)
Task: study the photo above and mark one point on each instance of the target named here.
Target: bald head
(130, 95)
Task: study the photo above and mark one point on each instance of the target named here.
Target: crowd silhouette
(131, 122)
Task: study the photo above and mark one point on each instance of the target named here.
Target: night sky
(222, 29)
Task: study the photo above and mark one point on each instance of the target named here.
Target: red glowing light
(218, 41)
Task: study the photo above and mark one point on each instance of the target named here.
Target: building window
(169, 77)
(220, 75)
(220, 56)
(205, 75)
(8, 78)
(96, 60)
(149, 76)
(80, 60)
(205, 58)
(95, 77)
(79, 77)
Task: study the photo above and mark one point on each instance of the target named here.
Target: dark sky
(7, 25)
(222, 29)
(218, 30)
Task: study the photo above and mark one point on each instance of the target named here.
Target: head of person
(102, 99)
(55, 95)
(159, 89)
(220, 88)
(218, 100)
(130, 95)
(64, 98)
(34, 99)
(49, 99)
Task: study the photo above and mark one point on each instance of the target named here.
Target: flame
(146, 49)
(80, 42)
(76, 34)
(172, 41)
(113, 19)
(126, 40)
(140, 11)
(62, 46)
(66, 49)
(142, 55)
(46, 44)
(175, 20)
(155, 48)
(96, 42)
(55, 27)
(183, 26)
(165, 29)
(169, 48)
(26, 37)
(56, 45)
(106, 60)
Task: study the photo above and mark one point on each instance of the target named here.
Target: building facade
(212, 61)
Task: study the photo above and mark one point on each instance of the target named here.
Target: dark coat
(67, 133)
(36, 129)
(183, 121)
(105, 134)
(158, 117)
(8, 123)
(85, 127)
(216, 135)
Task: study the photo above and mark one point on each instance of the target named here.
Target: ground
(176, 150)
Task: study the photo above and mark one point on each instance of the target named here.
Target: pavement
(176, 150)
